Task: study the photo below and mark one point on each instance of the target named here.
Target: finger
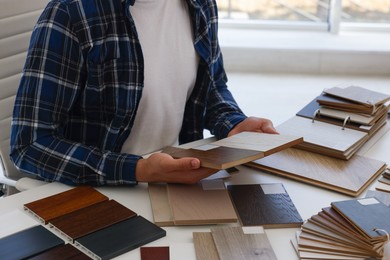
(182, 164)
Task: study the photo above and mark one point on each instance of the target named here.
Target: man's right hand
(161, 167)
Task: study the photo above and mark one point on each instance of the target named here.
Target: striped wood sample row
(100, 227)
(348, 177)
(176, 204)
(232, 243)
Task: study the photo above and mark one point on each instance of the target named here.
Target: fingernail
(195, 163)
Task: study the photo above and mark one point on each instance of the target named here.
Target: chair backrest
(17, 19)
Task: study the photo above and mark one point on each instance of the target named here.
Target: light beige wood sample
(382, 187)
(324, 138)
(354, 117)
(233, 244)
(359, 95)
(161, 209)
(204, 246)
(237, 149)
(348, 177)
(191, 205)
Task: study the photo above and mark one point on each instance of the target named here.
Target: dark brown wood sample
(120, 238)
(92, 218)
(256, 206)
(28, 242)
(155, 253)
(54, 206)
(61, 252)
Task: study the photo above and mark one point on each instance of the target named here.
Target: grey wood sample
(28, 243)
(233, 244)
(267, 205)
(120, 238)
(204, 246)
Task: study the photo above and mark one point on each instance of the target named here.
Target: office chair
(17, 19)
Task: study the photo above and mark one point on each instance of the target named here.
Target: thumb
(187, 163)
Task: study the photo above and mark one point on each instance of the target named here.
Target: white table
(308, 199)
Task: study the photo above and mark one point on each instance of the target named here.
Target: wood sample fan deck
(348, 177)
(192, 205)
(92, 218)
(54, 206)
(346, 230)
(324, 138)
(267, 205)
(237, 149)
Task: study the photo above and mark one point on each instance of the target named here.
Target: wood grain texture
(382, 187)
(348, 177)
(359, 95)
(161, 209)
(120, 238)
(67, 251)
(191, 205)
(343, 104)
(92, 218)
(204, 246)
(155, 253)
(233, 244)
(382, 196)
(256, 208)
(237, 149)
(28, 242)
(54, 206)
(324, 138)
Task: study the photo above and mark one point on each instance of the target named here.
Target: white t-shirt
(166, 36)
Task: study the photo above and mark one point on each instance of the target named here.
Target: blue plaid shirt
(82, 84)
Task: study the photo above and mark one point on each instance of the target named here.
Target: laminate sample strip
(382, 196)
(348, 177)
(233, 244)
(62, 252)
(237, 149)
(204, 246)
(191, 205)
(120, 238)
(92, 218)
(267, 205)
(28, 243)
(155, 253)
(54, 206)
(19, 219)
(161, 209)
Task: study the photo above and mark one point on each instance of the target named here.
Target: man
(106, 81)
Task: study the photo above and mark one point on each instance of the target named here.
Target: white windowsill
(262, 50)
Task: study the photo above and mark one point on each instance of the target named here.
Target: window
(327, 14)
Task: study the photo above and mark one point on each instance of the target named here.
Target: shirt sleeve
(52, 79)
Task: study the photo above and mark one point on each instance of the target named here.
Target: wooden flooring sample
(382, 187)
(382, 196)
(324, 138)
(155, 253)
(348, 177)
(236, 150)
(267, 205)
(28, 242)
(92, 218)
(192, 205)
(233, 244)
(54, 206)
(120, 238)
(204, 246)
(161, 209)
(366, 215)
(62, 252)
